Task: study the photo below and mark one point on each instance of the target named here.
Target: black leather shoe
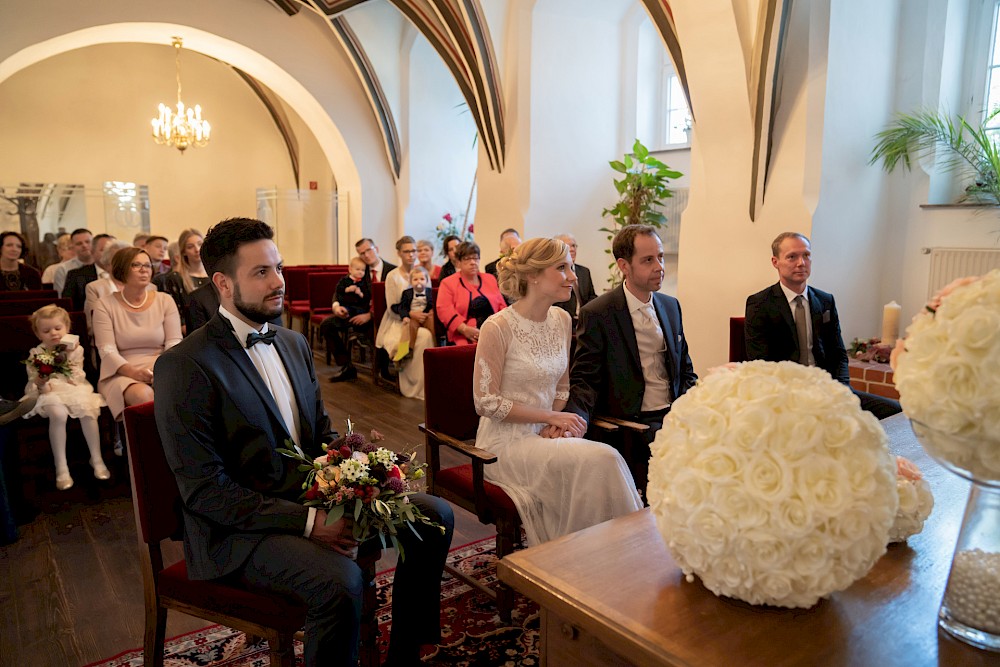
(348, 373)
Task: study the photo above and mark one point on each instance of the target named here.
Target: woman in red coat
(465, 299)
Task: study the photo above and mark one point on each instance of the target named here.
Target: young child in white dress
(61, 396)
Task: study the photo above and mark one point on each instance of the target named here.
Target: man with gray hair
(509, 239)
(583, 290)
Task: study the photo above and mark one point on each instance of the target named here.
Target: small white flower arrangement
(947, 371)
(771, 484)
(915, 501)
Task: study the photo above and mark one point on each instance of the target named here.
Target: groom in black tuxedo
(631, 359)
(229, 395)
(775, 332)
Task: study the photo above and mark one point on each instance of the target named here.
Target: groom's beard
(258, 312)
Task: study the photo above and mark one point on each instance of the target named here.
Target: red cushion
(302, 310)
(459, 480)
(737, 339)
(268, 610)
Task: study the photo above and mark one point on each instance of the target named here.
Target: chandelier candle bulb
(890, 322)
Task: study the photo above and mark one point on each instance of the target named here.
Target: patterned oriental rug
(472, 633)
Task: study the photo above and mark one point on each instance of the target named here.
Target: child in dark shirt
(416, 309)
(353, 291)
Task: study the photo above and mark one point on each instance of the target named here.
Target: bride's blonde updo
(526, 260)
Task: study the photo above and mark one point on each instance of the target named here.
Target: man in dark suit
(75, 287)
(509, 239)
(791, 321)
(583, 292)
(631, 359)
(227, 397)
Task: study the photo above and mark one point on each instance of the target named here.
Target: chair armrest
(473, 452)
(624, 423)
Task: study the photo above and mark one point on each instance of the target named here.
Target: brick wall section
(873, 378)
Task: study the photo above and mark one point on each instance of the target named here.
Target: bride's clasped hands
(563, 425)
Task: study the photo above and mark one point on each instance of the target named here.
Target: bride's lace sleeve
(491, 352)
(562, 387)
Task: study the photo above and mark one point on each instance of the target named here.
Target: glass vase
(970, 608)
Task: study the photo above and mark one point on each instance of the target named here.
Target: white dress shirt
(652, 352)
(790, 295)
(267, 361)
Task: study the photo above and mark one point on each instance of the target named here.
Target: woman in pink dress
(132, 327)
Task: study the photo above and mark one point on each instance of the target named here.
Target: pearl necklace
(145, 295)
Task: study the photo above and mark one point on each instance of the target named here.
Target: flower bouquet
(947, 371)
(771, 484)
(449, 226)
(871, 349)
(369, 484)
(48, 362)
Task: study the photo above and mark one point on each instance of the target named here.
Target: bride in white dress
(559, 482)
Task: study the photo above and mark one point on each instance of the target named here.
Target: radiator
(947, 264)
(673, 207)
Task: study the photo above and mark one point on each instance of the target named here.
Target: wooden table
(612, 595)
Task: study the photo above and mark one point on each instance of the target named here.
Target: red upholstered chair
(28, 306)
(451, 421)
(297, 294)
(737, 339)
(157, 504)
(322, 289)
(28, 294)
(379, 357)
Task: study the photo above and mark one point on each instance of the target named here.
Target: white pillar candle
(890, 323)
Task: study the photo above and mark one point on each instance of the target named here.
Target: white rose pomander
(947, 371)
(915, 501)
(771, 484)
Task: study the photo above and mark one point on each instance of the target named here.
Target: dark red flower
(45, 369)
(313, 492)
(346, 451)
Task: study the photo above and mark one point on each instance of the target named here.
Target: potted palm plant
(641, 189)
(968, 149)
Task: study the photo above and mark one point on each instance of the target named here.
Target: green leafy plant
(970, 150)
(641, 189)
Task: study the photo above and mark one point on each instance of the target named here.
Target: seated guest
(351, 310)
(140, 239)
(102, 287)
(16, 275)
(243, 519)
(156, 248)
(425, 257)
(132, 328)
(448, 251)
(64, 247)
(77, 280)
(791, 321)
(190, 272)
(467, 298)
(391, 331)
(174, 260)
(632, 360)
(82, 241)
(509, 239)
(559, 481)
(583, 291)
(416, 308)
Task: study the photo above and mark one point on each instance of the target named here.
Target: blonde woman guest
(425, 257)
(132, 327)
(467, 298)
(559, 481)
(189, 274)
(391, 330)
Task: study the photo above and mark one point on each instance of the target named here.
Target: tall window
(677, 118)
(992, 93)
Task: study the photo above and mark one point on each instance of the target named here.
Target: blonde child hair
(50, 312)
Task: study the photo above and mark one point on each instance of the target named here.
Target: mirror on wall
(43, 211)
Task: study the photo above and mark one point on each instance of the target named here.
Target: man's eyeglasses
(140, 266)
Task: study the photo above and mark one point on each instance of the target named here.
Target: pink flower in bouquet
(471, 230)
(907, 469)
(935, 301)
(447, 216)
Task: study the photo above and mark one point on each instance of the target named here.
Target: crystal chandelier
(184, 127)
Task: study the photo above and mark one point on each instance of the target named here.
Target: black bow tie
(253, 337)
